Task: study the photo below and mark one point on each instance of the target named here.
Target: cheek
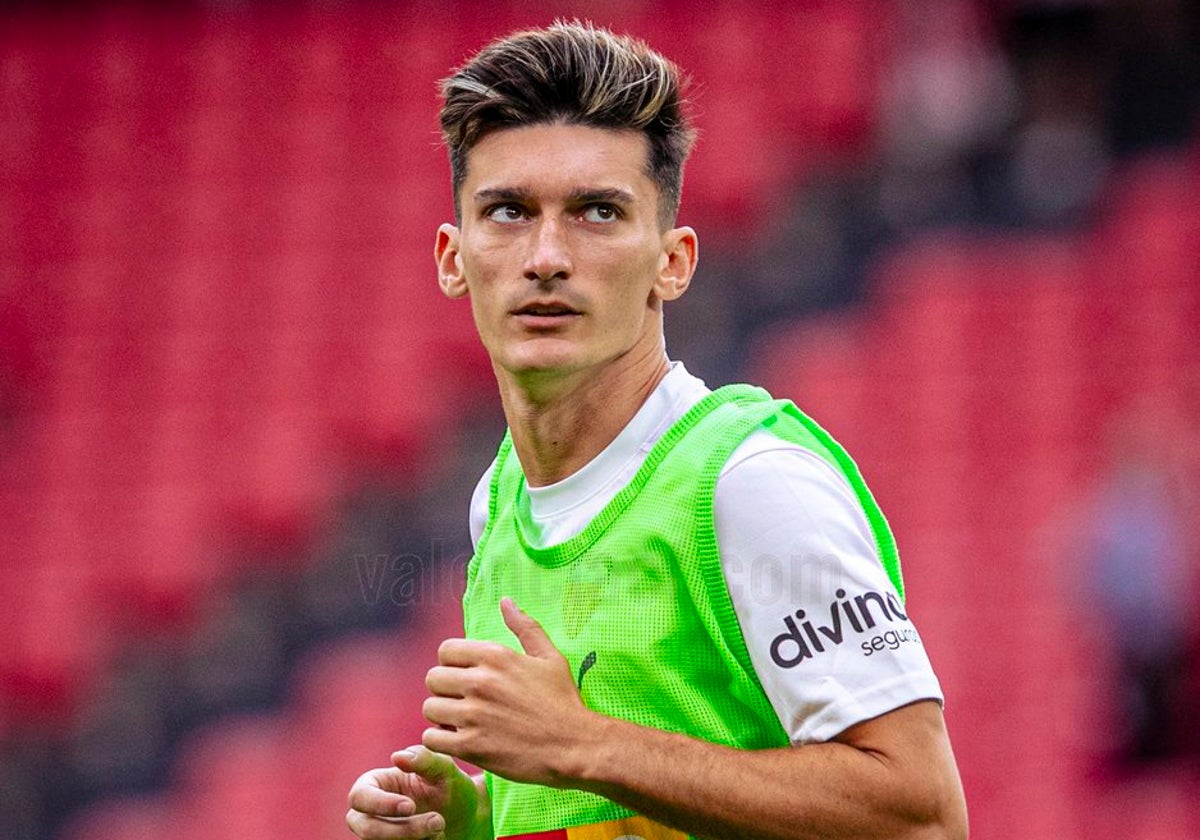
(635, 280)
(486, 293)
(627, 306)
(488, 313)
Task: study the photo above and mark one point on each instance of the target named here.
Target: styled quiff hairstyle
(577, 74)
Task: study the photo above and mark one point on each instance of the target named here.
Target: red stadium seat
(217, 231)
(1003, 360)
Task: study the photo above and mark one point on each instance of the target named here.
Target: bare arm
(890, 777)
(520, 716)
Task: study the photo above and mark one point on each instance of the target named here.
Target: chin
(544, 356)
(542, 367)
(543, 363)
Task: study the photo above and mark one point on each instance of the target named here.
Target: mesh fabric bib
(638, 604)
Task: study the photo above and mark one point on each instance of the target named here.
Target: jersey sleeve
(827, 635)
(477, 519)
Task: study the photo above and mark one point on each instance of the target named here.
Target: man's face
(560, 249)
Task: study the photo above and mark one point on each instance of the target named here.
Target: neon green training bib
(637, 602)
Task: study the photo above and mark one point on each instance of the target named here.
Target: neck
(558, 425)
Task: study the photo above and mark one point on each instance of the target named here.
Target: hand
(423, 795)
(517, 715)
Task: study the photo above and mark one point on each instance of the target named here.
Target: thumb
(529, 633)
(424, 762)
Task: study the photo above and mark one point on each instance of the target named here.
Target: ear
(449, 262)
(677, 263)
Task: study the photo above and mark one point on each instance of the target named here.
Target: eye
(505, 213)
(601, 213)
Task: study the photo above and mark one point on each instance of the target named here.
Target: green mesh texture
(637, 602)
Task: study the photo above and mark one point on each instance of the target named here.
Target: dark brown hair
(572, 73)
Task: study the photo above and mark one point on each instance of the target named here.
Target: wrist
(588, 764)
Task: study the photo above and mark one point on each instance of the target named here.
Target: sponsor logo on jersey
(878, 616)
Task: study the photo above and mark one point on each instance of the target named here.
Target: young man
(684, 613)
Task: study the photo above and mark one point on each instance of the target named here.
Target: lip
(544, 314)
(545, 308)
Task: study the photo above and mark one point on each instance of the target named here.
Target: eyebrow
(613, 195)
(489, 194)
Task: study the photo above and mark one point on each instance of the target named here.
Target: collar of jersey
(595, 483)
(564, 552)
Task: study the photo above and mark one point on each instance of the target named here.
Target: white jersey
(826, 633)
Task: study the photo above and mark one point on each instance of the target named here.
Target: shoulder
(772, 488)
(763, 453)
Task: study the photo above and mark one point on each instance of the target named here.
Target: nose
(549, 255)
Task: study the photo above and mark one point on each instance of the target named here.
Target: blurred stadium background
(239, 426)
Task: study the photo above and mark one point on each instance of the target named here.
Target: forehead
(560, 158)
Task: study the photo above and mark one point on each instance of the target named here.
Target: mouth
(546, 309)
(545, 314)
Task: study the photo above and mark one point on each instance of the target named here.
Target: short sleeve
(828, 637)
(477, 519)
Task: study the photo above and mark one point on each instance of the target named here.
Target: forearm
(830, 790)
(520, 716)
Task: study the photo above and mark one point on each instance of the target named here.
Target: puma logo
(584, 667)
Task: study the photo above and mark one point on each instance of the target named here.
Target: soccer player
(684, 613)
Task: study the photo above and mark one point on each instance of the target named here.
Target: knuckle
(467, 717)
(358, 823)
(357, 791)
(431, 738)
(487, 685)
(376, 830)
(496, 654)
(471, 752)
